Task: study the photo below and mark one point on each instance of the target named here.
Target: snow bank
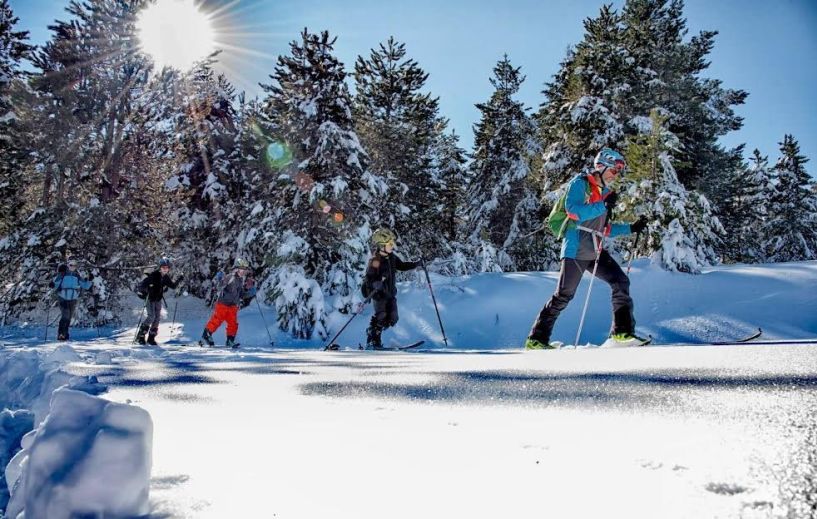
(28, 377)
(90, 457)
(84, 452)
(13, 426)
(496, 310)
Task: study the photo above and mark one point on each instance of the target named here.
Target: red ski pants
(223, 313)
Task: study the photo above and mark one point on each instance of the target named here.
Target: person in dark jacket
(68, 285)
(380, 284)
(234, 292)
(152, 290)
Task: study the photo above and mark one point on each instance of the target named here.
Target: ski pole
(599, 247)
(632, 252)
(175, 307)
(360, 311)
(271, 342)
(434, 299)
(47, 314)
(142, 315)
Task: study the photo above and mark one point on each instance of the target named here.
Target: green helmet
(382, 236)
(241, 264)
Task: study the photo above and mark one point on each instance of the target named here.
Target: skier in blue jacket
(588, 204)
(67, 286)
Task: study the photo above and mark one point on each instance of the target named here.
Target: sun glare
(175, 33)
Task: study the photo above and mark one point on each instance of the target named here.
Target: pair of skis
(336, 347)
(748, 339)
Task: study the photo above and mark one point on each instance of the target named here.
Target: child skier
(233, 292)
(380, 285)
(588, 203)
(152, 290)
(67, 285)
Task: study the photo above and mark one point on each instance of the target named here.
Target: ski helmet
(240, 263)
(382, 236)
(610, 158)
(164, 262)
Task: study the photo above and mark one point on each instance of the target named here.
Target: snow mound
(89, 458)
(13, 426)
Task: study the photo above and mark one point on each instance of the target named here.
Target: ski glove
(219, 275)
(610, 201)
(639, 225)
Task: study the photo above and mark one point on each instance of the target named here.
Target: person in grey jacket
(234, 292)
(67, 286)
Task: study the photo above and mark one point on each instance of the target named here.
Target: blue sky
(768, 48)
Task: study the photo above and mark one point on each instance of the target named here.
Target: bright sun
(175, 33)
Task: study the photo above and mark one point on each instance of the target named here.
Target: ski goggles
(619, 167)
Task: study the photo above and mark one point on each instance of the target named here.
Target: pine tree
(13, 133)
(398, 124)
(746, 210)
(323, 199)
(667, 74)
(682, 234)
(94, 173)
(791, 230)
(581, 113)
(209, 182)
(502, 201)
(449, 163)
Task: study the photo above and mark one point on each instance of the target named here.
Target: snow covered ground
(484, 429)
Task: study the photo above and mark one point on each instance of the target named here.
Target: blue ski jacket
(69, 284)
(584, 205)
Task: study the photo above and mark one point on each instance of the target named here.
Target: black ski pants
(385, 316)
(569, 277)
(67, 313)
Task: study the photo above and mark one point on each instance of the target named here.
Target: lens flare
(278, 155)
(304, 181)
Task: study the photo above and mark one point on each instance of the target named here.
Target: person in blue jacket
(588, 204)
(67, 286)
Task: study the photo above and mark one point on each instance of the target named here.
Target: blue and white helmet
(164, 262)
(610, 158)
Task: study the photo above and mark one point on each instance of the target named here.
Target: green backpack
(557, 220)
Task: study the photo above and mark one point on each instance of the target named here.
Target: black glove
(610, 201)
(90, 276)
(62, 269)
(639, 225)
(180, 278)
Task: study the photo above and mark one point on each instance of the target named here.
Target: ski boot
(206, 339)
(624, 340)
(140, 336)
(535, 344)
(152, 339)
(373, 341)
(231, 342)
(62, 337)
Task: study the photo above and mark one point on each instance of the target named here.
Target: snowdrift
(81, 455)
(491, 311)
(90, 458)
